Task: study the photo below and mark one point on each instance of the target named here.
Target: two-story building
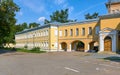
(42, 37)
(101, 34)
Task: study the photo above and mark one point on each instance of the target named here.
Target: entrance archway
(108, 44)
(78, 46)
(93, 46)
(64, 46)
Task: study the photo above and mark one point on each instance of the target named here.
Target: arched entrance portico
(64, 46)
(77, 46)
(108, 40)
(108, 44)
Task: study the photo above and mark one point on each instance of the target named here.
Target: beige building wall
(113, 23)
(86, 38)
(35, 38)
(53, 38)
(46, 38)
(113, 8)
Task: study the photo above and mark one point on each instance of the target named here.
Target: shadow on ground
(118, 52)
(113, 58)
(3, 51)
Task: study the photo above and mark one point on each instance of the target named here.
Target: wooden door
(108, 44)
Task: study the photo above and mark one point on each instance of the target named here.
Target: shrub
(33, 50)
(26, 46)
(36, 48)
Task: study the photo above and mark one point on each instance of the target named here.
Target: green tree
(32, 25)
(7, 21)
(91, 16)
(59, 16)
(46, 21)
(21, 27)
(24, 25)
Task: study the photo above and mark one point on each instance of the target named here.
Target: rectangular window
(47, 44)
(60, 33)
(71, 32)
(97, 29)
(83, 31)
(55, 44)
(41, 33)
(47, 32)
(113, 11)
(44, 33)
(66, 32)
(77, 31)
(56, 32)
(90, 31)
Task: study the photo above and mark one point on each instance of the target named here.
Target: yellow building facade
(100, 34)
(44, 37)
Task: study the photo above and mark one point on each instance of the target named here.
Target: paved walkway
(60, 63)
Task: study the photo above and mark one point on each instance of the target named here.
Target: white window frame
(60, 33)
(55, 44)
(83, 31)
(77, 31)
(56, 32)
(71, 32)
(97, 29)
(90, 31)
(66, 32)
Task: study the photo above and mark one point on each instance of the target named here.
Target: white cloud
(41, 19)
(71, 8)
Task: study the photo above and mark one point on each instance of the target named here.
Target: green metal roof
(57, 24)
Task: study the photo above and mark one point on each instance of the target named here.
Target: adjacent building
(102, 34)
(45, 37)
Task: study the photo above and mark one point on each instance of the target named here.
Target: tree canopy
(21, 27)
(91, 16)
(59, 16)
(7, 20)
(34, 24)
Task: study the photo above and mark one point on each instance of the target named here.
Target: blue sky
(38, 10)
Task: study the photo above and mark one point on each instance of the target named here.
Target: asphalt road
(60, 63)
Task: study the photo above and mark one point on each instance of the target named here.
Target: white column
(69, 50)
(88, 46)
(70, 47)
(101, 43)
(60, 47)
(114, 43)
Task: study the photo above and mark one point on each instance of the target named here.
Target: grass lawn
(113, 58)
(33, 50)
(30, 51)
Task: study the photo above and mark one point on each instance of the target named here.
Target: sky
(38, 10)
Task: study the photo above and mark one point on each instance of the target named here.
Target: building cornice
(36, 28)
(81, 22)
(116, 15)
